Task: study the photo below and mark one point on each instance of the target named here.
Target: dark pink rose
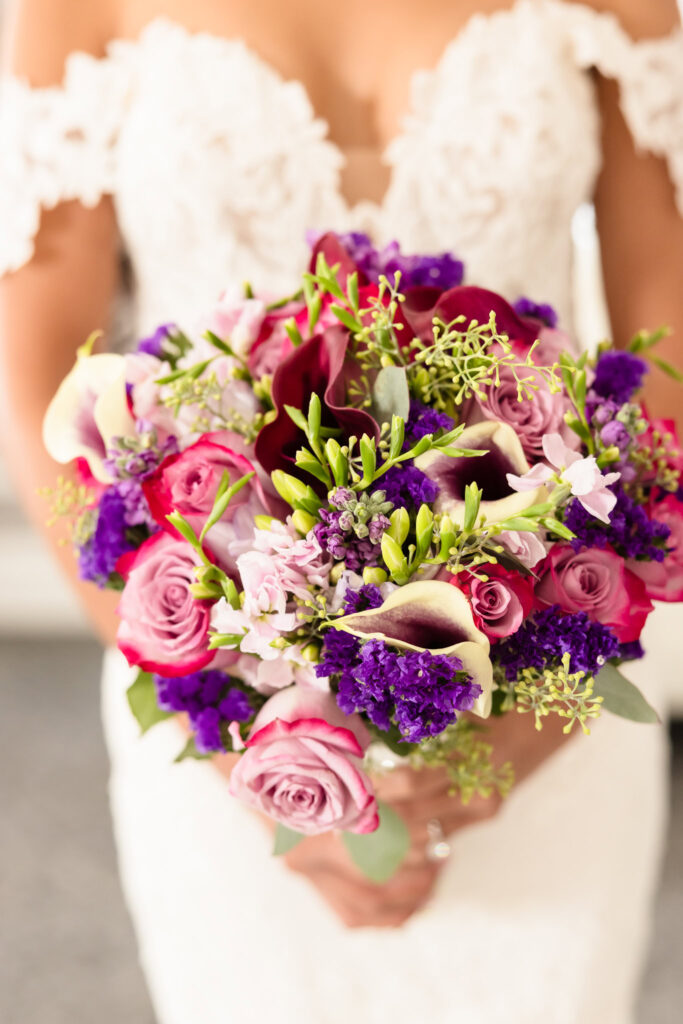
(500, 603)
(303, 765)
(187, 483)
(597, 582)
(163, 628)
(274, 344)
(664, 580)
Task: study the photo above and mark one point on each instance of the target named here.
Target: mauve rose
(530, 418)
(664, 580)
(500, 603)
(597, 582)
(303, 765)
(163, 628)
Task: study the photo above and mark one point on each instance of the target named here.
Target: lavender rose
(303, 765)
(163, 628)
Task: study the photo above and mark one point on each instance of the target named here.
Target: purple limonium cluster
(420, 692)
(543, 639)
(210, 698)
(422, 421)
(442, 271)
(123, 522)
(406, 485)
(352, 527)
(618, 375)
(630, 530)
(367, 596)
(154, 344)
(539, 310)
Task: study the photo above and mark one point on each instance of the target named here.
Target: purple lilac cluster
(211, 699)
(123, 522)
(541, 641)
(618, 375)
(442, 271)
(630, 531)
(406, 485)
(420, 692)
(140, 455)
(351, 529)
(422, 421)
(154, 344)
(538, 310)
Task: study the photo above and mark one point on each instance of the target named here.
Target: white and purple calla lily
(504, 456)
(88, 411)
(430, 616)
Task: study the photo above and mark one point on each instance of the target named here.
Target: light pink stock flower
(234, 319)
(525, 546)
(583, 475)
(299, 561)
(263, 617)
(303, 765)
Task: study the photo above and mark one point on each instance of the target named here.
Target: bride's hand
(419, 797)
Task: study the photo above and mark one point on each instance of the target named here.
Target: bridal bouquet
(353, 523)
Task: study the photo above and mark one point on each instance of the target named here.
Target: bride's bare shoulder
(642, 20)
(40, 34)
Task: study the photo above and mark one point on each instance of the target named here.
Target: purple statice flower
(211, 699)
(543, 638)
(422, 421)
(123, 522)
(367, 596)
(630, 530)
(420, 692)
(154, 344)
(631, 651)
(351, 528)
(618, 375)
(406, 485)
(539, 310)
(442, 271)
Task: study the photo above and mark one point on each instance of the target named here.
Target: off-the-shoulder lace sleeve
(57, 143)
(650, 76)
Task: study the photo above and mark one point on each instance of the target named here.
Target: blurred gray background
(67, 951)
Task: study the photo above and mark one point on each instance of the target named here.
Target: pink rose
(303, 765)
(163, 628)
(499, 604)
(597, 582)
(530, 418)
(188, 482)
(664, 580)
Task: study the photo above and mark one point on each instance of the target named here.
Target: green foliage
(621, 697)
(390, 395)
(190, 752)
(466, 756)
(142, 699)
(285, 840)
(380, 854)
(569, 695)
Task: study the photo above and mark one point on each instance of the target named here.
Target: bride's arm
(641, 229)
(49, 306)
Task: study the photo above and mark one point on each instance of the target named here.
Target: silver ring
(438, 848)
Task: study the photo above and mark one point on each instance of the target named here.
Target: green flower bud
(374, 575)
(303, 521)
(400, 525)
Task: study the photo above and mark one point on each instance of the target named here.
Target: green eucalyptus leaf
(142, 699)
(285, 840)
(621, 697)
(390, 395)
(380, 854)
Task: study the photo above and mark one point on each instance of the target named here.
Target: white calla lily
(430, 616)
(89, 409)
(504, 454)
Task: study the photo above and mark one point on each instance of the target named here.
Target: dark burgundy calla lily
(422, 305)
(335, 253)
(320, 365)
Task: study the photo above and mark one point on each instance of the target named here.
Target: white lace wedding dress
(217, 168)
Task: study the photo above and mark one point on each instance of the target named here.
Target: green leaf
(224, 496)
(218, 343)
(472, 502)
(190, 751)
(558, 528)
(297, 417)
(285, 840)
(668, 369)
(379, 854)
(314, 417)
(349, 320)
(390, 395)
(368, 458)
(398, 433)
(621, 697)
(142, 698)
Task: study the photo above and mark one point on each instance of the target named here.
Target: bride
(201, 141)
